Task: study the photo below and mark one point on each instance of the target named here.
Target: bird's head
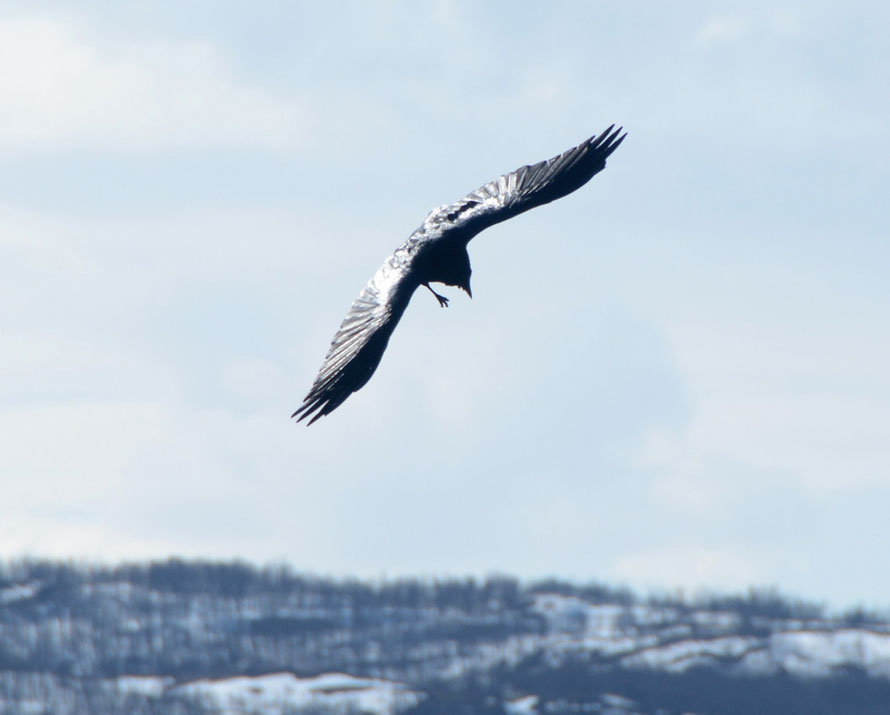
(451, 266)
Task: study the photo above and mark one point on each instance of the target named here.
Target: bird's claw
(443, 301)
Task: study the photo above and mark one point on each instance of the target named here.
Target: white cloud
(63, 87)
(812, 408)
(112, 479)
(722, 29)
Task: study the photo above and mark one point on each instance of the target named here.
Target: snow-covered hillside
(228, 638)
(674, 640)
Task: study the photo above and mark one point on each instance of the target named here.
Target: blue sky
(674, 378)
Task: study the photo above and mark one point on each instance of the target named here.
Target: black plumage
(437, 252)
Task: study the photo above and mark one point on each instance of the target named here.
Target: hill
(203, 637)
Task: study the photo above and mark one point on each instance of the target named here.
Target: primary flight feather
(437, 252)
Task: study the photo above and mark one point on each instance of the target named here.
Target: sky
(673, 379)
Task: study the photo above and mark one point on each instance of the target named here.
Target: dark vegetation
(66, 631)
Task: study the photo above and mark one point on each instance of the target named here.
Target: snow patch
(270, 694)
(816, 653)
(679, 656)
(19, 592)
(522, 706)
(149, 685)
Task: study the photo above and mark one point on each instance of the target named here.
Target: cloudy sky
(674, 378)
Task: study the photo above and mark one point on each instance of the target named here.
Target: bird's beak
(469, 292)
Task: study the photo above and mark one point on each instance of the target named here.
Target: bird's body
(437, 253)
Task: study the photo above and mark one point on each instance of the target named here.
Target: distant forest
(469, 645)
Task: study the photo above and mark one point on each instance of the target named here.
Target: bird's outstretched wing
(363, 335)
(525, 188)
(361, 340)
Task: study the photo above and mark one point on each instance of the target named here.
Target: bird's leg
(443, 301)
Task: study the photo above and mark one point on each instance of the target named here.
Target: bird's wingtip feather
(305, 410)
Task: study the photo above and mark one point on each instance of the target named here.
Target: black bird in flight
(437, 252)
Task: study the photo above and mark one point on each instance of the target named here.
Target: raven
(437, 252)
